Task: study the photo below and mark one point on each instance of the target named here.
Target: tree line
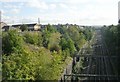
(112, 38)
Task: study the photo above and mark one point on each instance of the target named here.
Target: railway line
(100, 64)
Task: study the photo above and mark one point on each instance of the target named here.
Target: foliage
(50, 28)
(88, 33)
(24, 27)
(31, 38)
(11, 42)
(54, 42)
(112, 37)
(41, 55)
(21, 66)
(45, 35)
(71, 46)
(110, 34)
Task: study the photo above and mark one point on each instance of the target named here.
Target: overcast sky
(83, 12)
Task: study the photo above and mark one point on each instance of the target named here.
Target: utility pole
(0, 21)
(0, 15)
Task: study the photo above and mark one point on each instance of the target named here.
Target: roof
(2, 24)
(24, 24)
(5, 27)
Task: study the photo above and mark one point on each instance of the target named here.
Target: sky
(82, 12)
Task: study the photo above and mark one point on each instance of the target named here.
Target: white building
(31, 27)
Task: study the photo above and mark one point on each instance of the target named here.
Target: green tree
(63, 44)
(51, 29)
(54, 41)
(24, 27)
(46, 36)
(12, 42)
(31, 37)
(71, 46)
(88, 33)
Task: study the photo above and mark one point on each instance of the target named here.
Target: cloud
(3, 11)
(8, 0)
(37, 4)
(52, 6)
(16, 19)
(14, 1)
(15, 11)
(12, 8)
(67, 11)
(5, 18)
(63, 5)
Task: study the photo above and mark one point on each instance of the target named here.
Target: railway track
(100, 67)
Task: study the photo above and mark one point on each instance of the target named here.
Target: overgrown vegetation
(24, 27)
(112, 37)
(41, 55)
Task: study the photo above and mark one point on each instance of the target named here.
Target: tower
(38, 20)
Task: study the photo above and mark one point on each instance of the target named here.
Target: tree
(24, 27)
(63, 43)
(12, 42)
(54, 41)
(50, 28)
(32, 38)
(46, 36)
(88, 34)
(71, 46)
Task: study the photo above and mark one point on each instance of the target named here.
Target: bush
(24, 27)
(33, 65)
(54, 40)
(12, 42)
(31, 37)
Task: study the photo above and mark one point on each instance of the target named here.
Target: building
(31, 27)
(3, 26)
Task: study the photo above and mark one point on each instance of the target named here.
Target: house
(31, 27)
(43, 26)
(4, 26)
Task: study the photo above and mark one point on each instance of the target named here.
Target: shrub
(31, 37)
(24, 27)
(11, 42)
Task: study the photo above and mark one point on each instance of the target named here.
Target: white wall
(36, 27)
